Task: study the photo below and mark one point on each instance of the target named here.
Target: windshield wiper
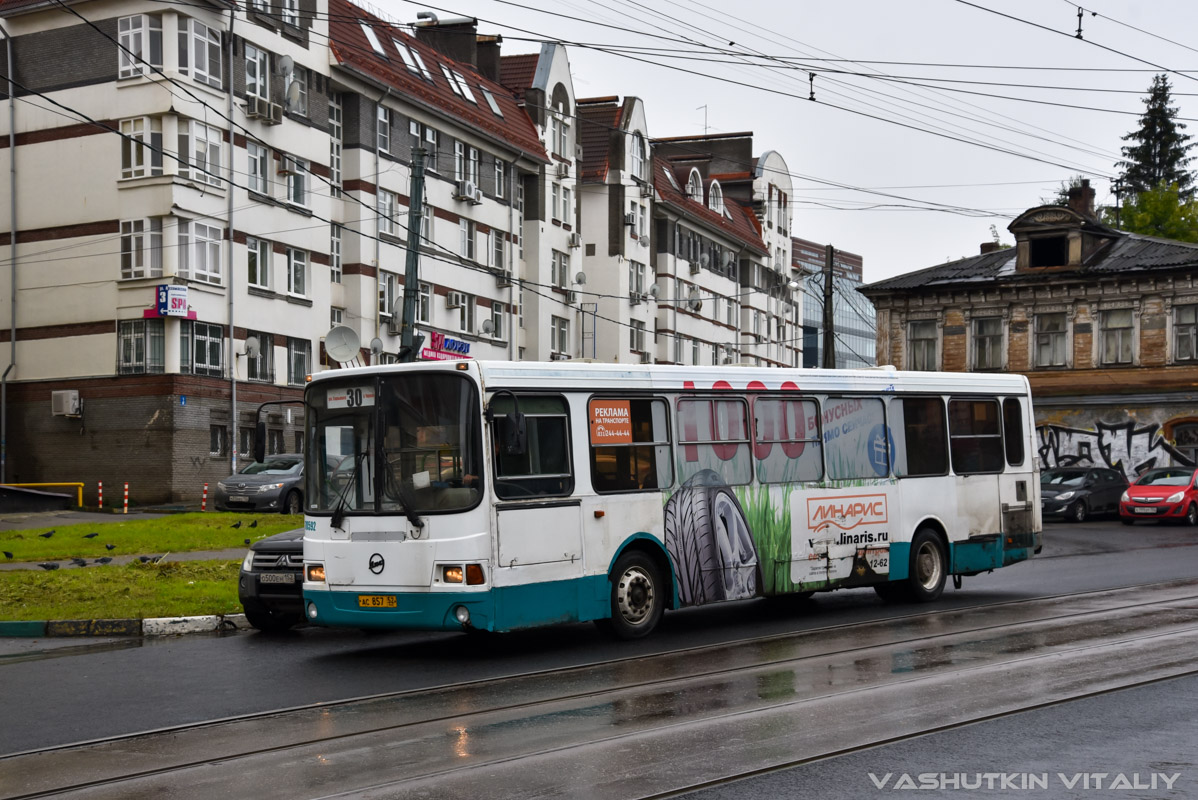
(395, 488)
(339, 511)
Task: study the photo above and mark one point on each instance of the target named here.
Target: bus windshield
(394, 444)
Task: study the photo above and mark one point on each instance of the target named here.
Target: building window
(497, 250)
(426, 224)
(141, 147)
(694, 187)
(257, 73)
(258, 253)
(426, 137)
(559, 335)
(335, 143)
(259, 180)
(199, 251)
(636, 336)
(140, 346)
(384, 129)
(217, 436)
(561, 141)
(497, 314)
(467, 239)
(466, 314)
(388, 205)
(1117, 336)
(560, 269)
(199, 52)
(260, 367)
(199, 147)
(500, 178)
(201, 345)
(141, 45)
(923, 346)
(388, 292)
(336, 316)
(636, 278)
(424, 303)
(290, 12)
(1052, 251)
(297, 272)
(555, 191)
(715, 198)
(141, 248)
(335, 253)
(459, 161)
(567, 206)
(274, 441)
(297, 180)
(987, 343)
(474, 166)
(297, 97)
(299, 361)
(245, 441)
(1185, 333)
(1050, 340)
(636, 164)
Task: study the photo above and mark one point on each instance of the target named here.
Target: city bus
(496, 496)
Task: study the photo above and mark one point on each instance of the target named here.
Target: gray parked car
(276, 484)
(1077, 492)
(270, 585)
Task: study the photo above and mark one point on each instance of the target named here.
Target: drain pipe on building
(12, 259)
(233, 419)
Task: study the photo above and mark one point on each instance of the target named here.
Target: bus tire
(929, 567)
(637, 596)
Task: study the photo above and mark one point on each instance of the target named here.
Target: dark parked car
(1077, 492)
(270, 586)
(276, 484)
(1162, 493)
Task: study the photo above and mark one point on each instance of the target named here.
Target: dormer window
(715, 198)
(1048, 251)
(694, 186)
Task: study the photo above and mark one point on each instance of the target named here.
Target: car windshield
(394, 444)
(275, 465)
(1165, 477)
(1062, 477)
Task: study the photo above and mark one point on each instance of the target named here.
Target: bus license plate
(376, 601)
(284, 577)
(1145, 510)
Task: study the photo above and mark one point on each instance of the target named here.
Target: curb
(160, 626)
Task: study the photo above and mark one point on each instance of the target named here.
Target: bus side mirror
(260, 441)
(515, 434)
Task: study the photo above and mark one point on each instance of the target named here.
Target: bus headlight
(451, 574)
(314, 573)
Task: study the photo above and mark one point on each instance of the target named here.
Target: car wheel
(1078, 511)
(929, 567)
(637, 596)
(292, 505)
(1192, 515)
(269, 621)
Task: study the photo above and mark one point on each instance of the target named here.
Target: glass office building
(853, 318)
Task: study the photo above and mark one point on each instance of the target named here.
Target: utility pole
(829, 357)
(409, 341)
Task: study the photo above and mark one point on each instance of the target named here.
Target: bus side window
(787, 443)
(713, 435)
(630, 445)
(975, 437)
(857, 444)
(1012, 416)
(544, 469)
(921, 436)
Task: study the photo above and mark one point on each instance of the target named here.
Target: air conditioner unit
(563, 170)
(635, 298)
(257, 108)
(66, 403)
(464, 190)
(276, 114)
(477, 197)
(503, 279)
(455, 300)
(695, 268)
(559, 356)
(575, 240)
(630, 219)
(571, 297)
(646, 190)
(646, 358)
(287, 166)
(394, 325)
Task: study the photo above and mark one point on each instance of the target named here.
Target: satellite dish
(293, 96)
(581, 278)
(488, 327)
(704, 259)
(286, 65)
(253, 348)
(694, 302)
(342, 343)
(376, 345)
(653, 290)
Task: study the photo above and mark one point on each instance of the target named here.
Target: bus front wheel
(637, 596)
(929, 567)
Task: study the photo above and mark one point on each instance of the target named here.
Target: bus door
(976, 450)
(1019, 486)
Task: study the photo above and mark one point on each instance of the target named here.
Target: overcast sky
(933, 150)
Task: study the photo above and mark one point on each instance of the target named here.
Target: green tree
(1159, 151)
(1161, 211)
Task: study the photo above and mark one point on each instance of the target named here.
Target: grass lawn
(173, 533)
(132, 591)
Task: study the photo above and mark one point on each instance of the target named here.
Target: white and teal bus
(497, 496)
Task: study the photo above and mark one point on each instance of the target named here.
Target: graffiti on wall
(1130, 447)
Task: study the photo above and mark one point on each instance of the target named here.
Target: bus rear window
(1012, 414)
(544, 469)
(630, 445)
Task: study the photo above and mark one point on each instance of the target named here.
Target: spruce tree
(1159, 153)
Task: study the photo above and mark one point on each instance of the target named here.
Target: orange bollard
(126, 511)
(101, 483)
(204, 499)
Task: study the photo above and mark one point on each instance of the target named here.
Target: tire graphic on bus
(709, 541)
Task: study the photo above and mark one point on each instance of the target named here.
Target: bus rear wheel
(929, 567)
(637, 596)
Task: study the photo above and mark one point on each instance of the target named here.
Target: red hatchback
(1165, 493)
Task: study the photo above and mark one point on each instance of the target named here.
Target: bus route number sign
(351, 397)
